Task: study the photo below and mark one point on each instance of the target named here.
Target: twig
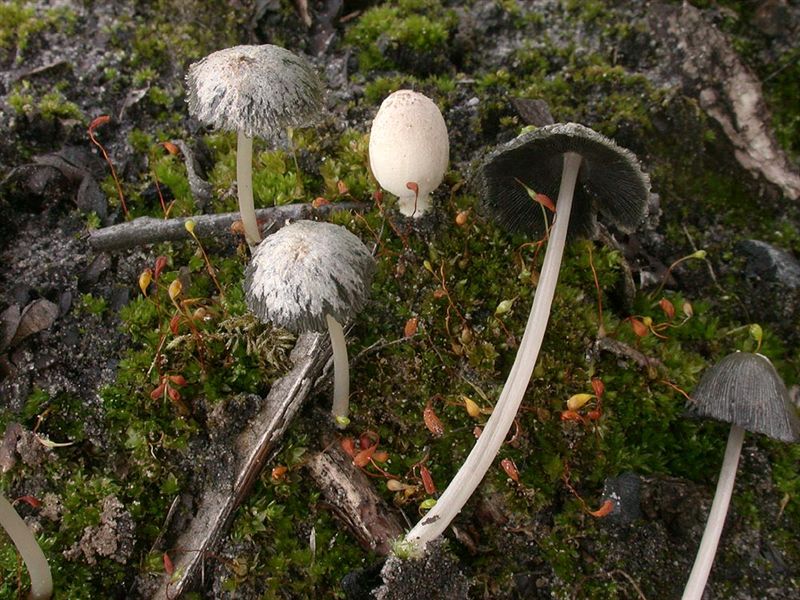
(149, 230)
(218, 502)
(354, 500)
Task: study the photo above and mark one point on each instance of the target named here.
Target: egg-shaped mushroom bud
(255, 91)
(29, 549)
(312, 276)
(574, 162)
(742, 389)
(409, 149)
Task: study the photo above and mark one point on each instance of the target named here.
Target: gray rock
(435, 575)
(769, 263)
(625, 492)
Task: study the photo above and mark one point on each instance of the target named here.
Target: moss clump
(51, 106)
(411, 35)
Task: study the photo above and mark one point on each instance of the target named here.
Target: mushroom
(253, 90)
(742, 389)
(612, 182)
(35, 561)
(312, 276)
(409, 149)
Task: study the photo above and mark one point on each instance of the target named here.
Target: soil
(54, 185)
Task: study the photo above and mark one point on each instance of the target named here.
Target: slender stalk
(414, 206)
(716, 518)
(35, 561)
(341, 373)
(480, 459)
(244, 186)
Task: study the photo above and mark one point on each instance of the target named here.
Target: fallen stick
(149, 230)
(352, 497)
(218, 503)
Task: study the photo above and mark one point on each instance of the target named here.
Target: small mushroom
(312, 276)
(253, 90)
(28, 547)
(409, 149)
(595, 175)
(742, 389)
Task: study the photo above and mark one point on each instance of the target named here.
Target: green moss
(19, 23)
(52, 105)
(383, 33)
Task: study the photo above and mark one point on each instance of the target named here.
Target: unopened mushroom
(32, 555)
(312, 276)
(409, 149)
(595, 175)
(742, 389)
(255, 91)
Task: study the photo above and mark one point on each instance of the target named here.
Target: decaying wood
(216, 507)
(728, 90)
(149, 230)
(352, 496)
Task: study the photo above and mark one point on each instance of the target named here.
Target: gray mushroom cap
(744, 389)
(260, 90)
(305, 271)
(610, 180)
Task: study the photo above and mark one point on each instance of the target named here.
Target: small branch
(354, 500)
(149, 230)
(219, 500)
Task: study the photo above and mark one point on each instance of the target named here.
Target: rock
(435, 575)
(358, 584)
(770, 288)
(91, 198)
(37, 316)
(624, 491)
(533, 111)
(9, 323)
(31, 188)
(91, 275)
(769, 263)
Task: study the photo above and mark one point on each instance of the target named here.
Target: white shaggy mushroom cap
(305, 271)
(260, 90)
(408, 143)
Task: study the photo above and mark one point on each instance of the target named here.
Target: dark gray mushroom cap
(610, 180)
(261, 90)
(305, 271)
(744, 389)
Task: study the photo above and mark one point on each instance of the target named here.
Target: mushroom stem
(244, 186)
(413, 206)
(35, 561)
(341, 373)
(494, 433)
(716, 518)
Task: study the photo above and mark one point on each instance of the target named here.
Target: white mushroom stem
(494, 433)
(716, 518)
(244, 186)
(41, 580)
(412, 206)
(341, 373)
